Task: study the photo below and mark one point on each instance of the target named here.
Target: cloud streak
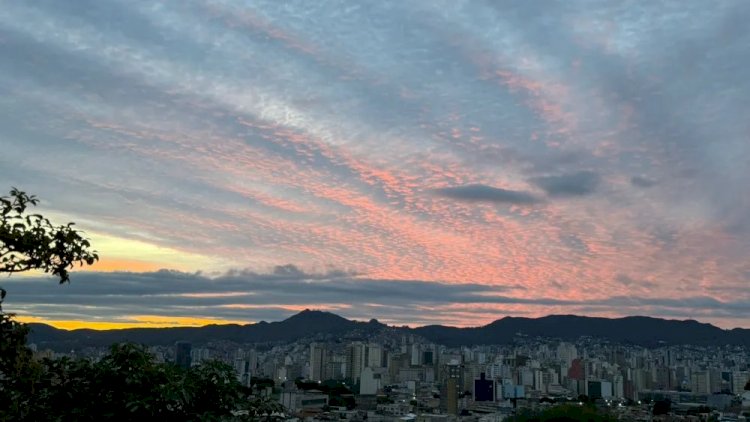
(484, 193)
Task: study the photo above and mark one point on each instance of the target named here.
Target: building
(369, 382)
(664, 378)
(739, 380)
(508, 390)
(566, 352)
(576, 370)
(484, 389)
(182, 354)
(618, 387)
(415, 355)
(356, 360)
(318, 362)
(600, 389)
(296, 401)
(376, 356)
(428, 357)
(449, 396)
(199, 354)
(700, 382)
(243, 371)
(245, 365)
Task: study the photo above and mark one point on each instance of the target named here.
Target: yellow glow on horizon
(134, 321)
(121, 254)
(136, 253)
(110, 265)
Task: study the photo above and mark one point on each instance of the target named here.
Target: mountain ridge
(640, 330)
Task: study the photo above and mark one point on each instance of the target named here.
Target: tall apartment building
(182, 354)
(245, 365)
(484, 389)
(449, 396)
(700, 382)
(356, 360)
(318, 362)
(376, 356)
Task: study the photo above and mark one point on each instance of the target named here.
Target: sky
(417, 162)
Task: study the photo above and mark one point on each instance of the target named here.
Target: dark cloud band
(251, 296)
(484, 193)
(572, 184)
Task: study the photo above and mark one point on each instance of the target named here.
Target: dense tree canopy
(29, 242)
(126, 384)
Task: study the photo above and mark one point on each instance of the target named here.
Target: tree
(18, 369)
(127, 383)
(29, 242)
(32, 242)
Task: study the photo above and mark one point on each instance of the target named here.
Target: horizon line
(75, 325)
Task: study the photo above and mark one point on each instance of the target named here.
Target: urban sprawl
(391, 377)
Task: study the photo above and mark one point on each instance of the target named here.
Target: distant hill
(644, 331)
(303, 324)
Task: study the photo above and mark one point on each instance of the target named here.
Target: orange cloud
(108, 265)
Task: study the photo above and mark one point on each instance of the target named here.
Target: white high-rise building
(374, 356)
(318, 362)
(495, 370)
(199, 354)
(356, 360)
(416, 355)
(245, 365)
(369, 382)
(566, 352)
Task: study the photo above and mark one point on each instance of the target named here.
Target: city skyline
(419, 163)
(392, 372)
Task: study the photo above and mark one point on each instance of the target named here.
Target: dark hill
(303, 324)
(638, 330)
